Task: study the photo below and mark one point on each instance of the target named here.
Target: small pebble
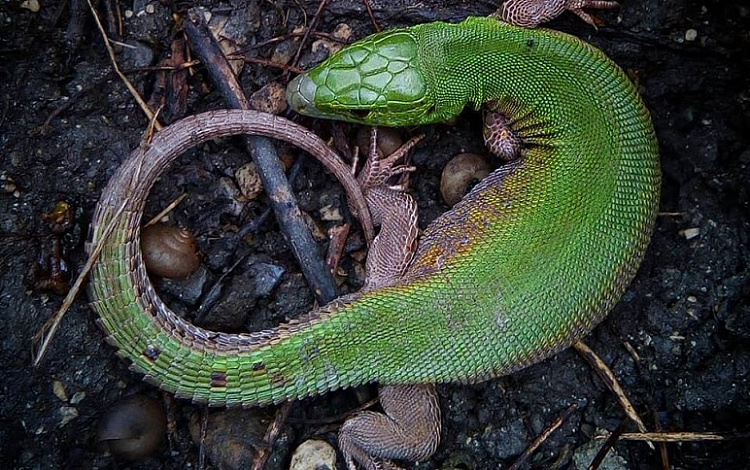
(284, 52)
(77, 398)
(270, 99)
(67, 414)
(585, 454)
(313, 454)
(690, 233)
(330, 213)
(227, 187)
(59, 390)
(691, 35)
(248, 179)
(31, 5)
(232, 437)
(7, 183)
(342, 32)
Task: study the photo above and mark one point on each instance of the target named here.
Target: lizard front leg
(393, 210)
(532, 13)
(409, 427)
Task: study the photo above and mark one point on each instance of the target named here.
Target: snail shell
(460, 175)
(134, 427)
(388, 141)
(169, 251)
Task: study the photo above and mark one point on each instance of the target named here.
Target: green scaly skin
(527, 263)
(536, 255)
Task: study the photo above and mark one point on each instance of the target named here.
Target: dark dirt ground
(686, 317)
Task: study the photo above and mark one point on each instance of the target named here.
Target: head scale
(376, 81)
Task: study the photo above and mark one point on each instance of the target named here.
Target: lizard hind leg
(409, 429)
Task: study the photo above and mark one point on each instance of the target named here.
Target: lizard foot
(379, 169)
(532, 13)
(409, 429)
(499, 136)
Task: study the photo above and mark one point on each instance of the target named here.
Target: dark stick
(264, 154)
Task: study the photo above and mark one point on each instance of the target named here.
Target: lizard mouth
(301, 95)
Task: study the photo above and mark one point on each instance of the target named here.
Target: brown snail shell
(388, 141)
(460, 175)
(134, 427)
(169, 251)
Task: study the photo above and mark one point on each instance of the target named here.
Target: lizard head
(376, 81)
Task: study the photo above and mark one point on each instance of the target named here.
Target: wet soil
(678, 340)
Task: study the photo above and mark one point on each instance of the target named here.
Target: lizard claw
(577, 6)
(403, 184)
(379, 169)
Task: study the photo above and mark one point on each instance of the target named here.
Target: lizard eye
(360, 113)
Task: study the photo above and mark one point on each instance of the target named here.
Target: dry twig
(42, 339)
(609, 379)
(524, 457)
(166, 210)
(683, 436)
(150, 114)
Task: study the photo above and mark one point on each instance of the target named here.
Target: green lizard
(541, 250)
(549, 241)
(529, 261)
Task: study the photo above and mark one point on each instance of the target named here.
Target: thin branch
(372, 17)
(524, 457)
(166, 210)
(130, 87)
(683, 436)
(609, 379)
(43, 338)
(266, 159)
(313, 24)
